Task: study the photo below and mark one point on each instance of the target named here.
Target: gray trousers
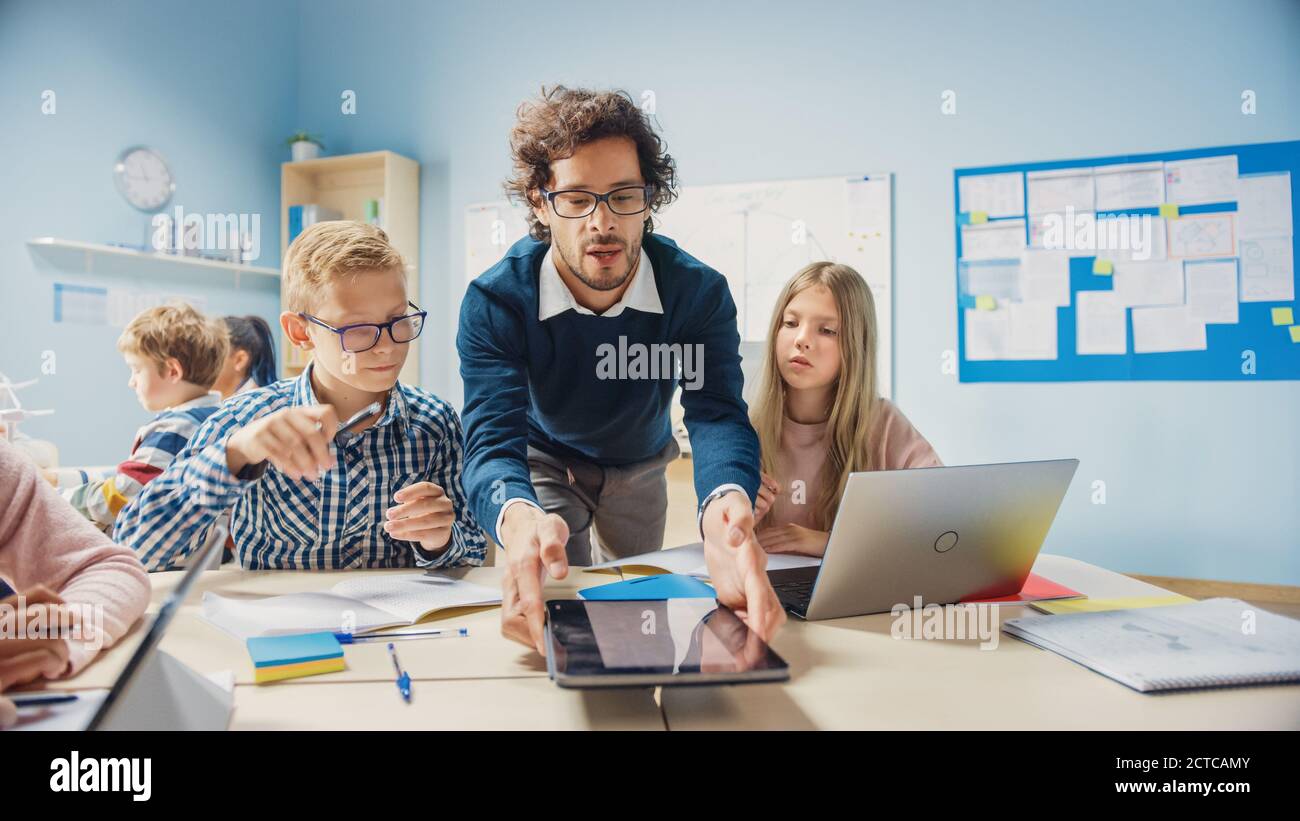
(623, 507)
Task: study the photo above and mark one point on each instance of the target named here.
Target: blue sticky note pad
(653, 588)
(271, 651)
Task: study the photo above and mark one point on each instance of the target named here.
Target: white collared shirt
(554, 296)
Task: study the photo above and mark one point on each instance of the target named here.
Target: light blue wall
(1202, 478)
(212, 87)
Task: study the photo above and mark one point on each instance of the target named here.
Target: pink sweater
(43, 540)
(897, 444)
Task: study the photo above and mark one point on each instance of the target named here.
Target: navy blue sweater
(541, 382)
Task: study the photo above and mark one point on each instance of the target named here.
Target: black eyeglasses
(365, 335)
(574, 203)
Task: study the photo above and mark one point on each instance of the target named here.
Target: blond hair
(332, 249)
(854, 406)
(177, 331)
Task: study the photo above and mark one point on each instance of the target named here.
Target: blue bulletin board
(1164, 266)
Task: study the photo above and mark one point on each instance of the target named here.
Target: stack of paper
(280, 657)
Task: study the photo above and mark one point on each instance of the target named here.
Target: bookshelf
(344, 183)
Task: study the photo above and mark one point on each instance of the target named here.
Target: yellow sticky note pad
(1104, 267)
(1098, 605)
(280, 672)
(1295, 333)
(1169, 211)
(986, 303)
(979, 216)
(1283, 316)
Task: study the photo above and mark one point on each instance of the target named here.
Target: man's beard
(606, 284)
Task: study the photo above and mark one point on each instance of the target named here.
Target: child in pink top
(819, 415)
(53, 560)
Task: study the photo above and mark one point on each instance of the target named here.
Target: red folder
(1036, 589)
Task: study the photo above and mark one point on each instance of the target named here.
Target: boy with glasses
(302, 494)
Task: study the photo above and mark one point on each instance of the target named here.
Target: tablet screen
(660, 642)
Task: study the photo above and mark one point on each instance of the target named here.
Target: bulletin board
(1059, 277)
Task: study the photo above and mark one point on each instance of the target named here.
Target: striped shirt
(100, 499)
(334, 523)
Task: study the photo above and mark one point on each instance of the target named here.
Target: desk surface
(846, 674)
(485, 704)
(485, 653)
(853, 674)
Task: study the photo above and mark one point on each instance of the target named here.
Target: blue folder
(650, 588)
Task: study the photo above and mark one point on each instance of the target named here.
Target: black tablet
(654, 643)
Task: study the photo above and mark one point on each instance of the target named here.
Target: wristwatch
(717, 494)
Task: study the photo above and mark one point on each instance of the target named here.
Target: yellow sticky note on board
(1295, 333)
(1103, 267)
(1098, 605)
(979, 216)
(986, 303)
(1283, 316)
(1169, 211)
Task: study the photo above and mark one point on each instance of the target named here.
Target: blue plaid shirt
(281, 523)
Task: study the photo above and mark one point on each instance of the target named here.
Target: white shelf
(68, 250)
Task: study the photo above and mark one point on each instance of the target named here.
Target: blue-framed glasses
(574, 203)
(363, 336)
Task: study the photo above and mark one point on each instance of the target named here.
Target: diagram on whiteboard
(758, 235)
(490, 229)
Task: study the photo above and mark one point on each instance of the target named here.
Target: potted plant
(304, 146)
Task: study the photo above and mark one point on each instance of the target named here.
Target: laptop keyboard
(795, 594)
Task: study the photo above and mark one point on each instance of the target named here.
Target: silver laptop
(944, 534)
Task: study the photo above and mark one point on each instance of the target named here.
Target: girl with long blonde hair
(819, 414)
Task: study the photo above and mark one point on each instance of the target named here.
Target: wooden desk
(852, 674)
(485, 704)
(483, 682)
(485, 653)
(846, 674)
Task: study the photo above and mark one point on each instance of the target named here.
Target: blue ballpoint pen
(41, 699)
(403, 680)
(353, 638)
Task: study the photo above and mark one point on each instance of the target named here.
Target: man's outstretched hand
(534, 545)
(738, 565)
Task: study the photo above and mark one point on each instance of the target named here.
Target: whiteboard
(757, 235)
(490, 229)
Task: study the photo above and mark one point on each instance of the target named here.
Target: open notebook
(356, 605)
(688, 560)
(1211, 643)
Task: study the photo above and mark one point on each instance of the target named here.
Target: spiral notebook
(1211, 643)
(356, 605)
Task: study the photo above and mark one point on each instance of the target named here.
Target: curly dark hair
(554, 125)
